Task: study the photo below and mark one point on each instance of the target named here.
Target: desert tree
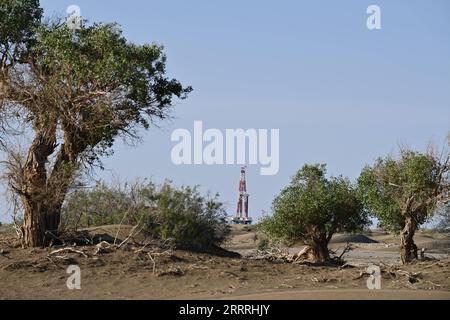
(74, 93)
(403, 193)
(312, 208)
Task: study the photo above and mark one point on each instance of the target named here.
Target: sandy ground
(134, 272)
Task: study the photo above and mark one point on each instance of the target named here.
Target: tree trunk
(41, 216)
(318, 250)
(40, 225)
(43, 193)
(408, 249)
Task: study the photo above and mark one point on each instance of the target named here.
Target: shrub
(183, 215)
(105, 204)
(190, 219)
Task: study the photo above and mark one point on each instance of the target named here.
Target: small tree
(74, 92)
(312, 208)
(403, 193)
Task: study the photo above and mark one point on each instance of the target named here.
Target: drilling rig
(242, 216)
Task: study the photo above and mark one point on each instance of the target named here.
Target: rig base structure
(234, 220)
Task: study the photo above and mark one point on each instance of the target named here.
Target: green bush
(182, 215)
(104, 204)
(190, 219)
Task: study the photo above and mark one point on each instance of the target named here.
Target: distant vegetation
(7, 228)
(181, 215)
(403, 193)
(444, 218)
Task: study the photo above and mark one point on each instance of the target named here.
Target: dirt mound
(352, 238)
(239, 229)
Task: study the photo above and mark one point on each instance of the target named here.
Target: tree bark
(408, 249)
(318, 249)
(43, 194)
(41, 216)
(40, 224)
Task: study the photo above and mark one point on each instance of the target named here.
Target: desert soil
(137, 272)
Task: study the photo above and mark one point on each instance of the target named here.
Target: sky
(339, 93)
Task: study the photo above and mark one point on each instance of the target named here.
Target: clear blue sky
(339, 93)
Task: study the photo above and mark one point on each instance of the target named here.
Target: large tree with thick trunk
(312, 208)
(74, 92)
(404, 193)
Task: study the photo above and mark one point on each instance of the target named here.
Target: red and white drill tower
(242, 204)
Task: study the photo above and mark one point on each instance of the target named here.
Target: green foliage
(313, 206)
(183, 215)
(104, 205)
(393, 189)
(108, 84)
(18, 21)
(193, 221)
(100, 56)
